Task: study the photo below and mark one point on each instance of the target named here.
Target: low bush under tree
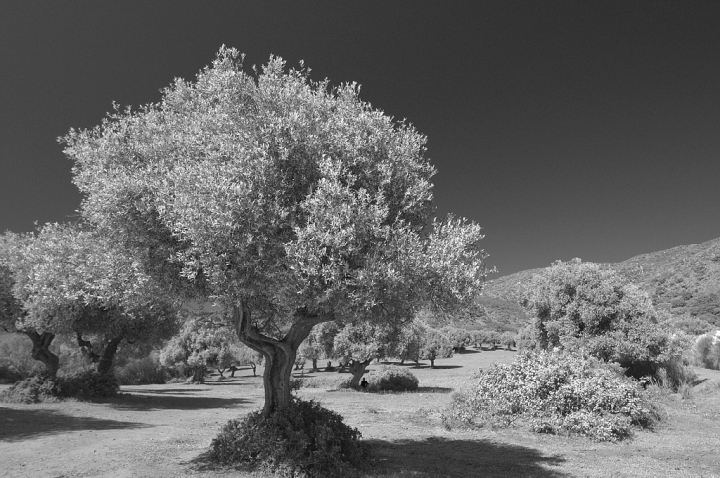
(87, 385)
(303, 440)
(391, 378)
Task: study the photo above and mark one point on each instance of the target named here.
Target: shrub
(304, 440)
(87, 385)
(555, 393)
(35, 389)
(391, 378)
(141, 371)
(16, 362)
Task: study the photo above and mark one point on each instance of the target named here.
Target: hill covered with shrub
(684, 280)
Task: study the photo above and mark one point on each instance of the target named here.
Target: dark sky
(566, 129)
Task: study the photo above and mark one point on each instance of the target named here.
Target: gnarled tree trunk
(279, 354)
(357, 368)
(41, 351)
(104, 361)
(108, 354)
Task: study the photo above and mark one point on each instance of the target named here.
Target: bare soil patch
(163, 430)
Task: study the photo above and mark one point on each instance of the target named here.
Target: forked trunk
(108, 354)
(41, 351)
(104, 361)
(357, 368)
(432, 363)
(279, 355)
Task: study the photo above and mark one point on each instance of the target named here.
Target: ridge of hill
(685, 280)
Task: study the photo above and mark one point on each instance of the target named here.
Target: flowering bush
(554, 393)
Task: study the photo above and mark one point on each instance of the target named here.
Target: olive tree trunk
(357, 368)
(105, 359)
(105, 362)
(41, 351)
(279, 355)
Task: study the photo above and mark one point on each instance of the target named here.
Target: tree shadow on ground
(436, 458)
(230, 381)
(170, 391)
(433, 390)
(141, 402)
(442, 367)
(467, 351)
(440, 457)
(22, 424)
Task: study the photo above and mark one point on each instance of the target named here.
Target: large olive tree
(285, 201)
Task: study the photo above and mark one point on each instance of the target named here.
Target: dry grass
(161, 430)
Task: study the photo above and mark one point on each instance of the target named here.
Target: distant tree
(204, 341)
(707, 350)
(508, 339)
(311, 349)
(359, 343)
(244, 356)
(72, 280)
(458, 337)
(584, 306)
(410, 342)
(526, 338)
(436, 345)
(286, 201)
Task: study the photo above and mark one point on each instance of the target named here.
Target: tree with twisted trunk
(285, 201)
(67, 279)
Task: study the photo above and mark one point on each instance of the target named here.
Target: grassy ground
(162, 431)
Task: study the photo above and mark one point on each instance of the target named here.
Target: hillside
(684, 280)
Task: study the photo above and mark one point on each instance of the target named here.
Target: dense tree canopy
(585, 306)
(70, 280)
(287, 202)
(204, 341)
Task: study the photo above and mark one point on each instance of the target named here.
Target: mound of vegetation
(554, 393)
(303, 440)
(86, 386)
(391, 378)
